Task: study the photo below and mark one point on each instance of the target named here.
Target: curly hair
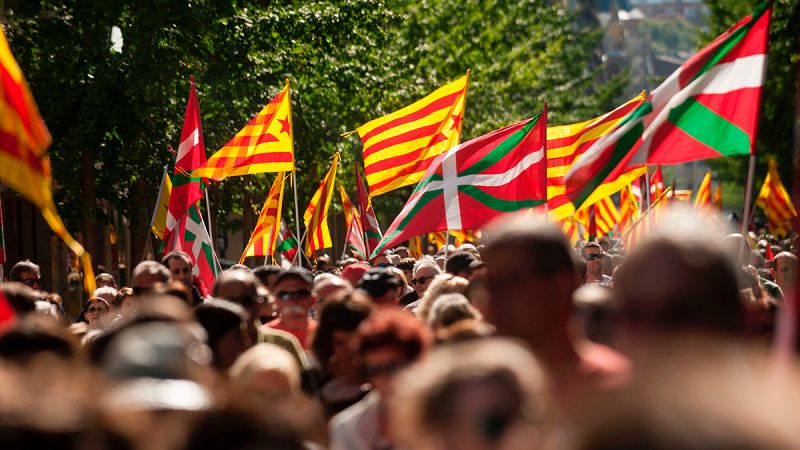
(389, 327)
(341, 311)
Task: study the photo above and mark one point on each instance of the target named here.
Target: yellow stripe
(430, 119)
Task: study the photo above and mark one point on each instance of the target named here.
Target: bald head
(238, 286)
(784, 270)
(737, 248)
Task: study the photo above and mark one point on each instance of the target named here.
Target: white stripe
(187, 145)
(450, 183)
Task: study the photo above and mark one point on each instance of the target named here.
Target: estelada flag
(776, 203)
(399, 147)
(475, 182)
(318, 236)
(265, 235)
(23, 143)
(263, 145)
(705, 109)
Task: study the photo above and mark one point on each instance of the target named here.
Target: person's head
(445, 283)
(240, 287)
(381, 260)
(225, 325)
(27, 273)
(593, 255)
(471, 395)
(381, 286)
(124, 302)
(267, 371)
(784, 271)
(461, 264)
(424, 271)
(21, 298)
(402, 252)
(737, 248)
(147, 275)
(292, 293)
(179, 264)
(98, 313)
(35, 336)
(530, 279)
(353, 272)
(107, 293)
(338, 317)
(267, 274)
(327, 284)
(105, 279)
(449, 309)
(407, 266)
(388, 341)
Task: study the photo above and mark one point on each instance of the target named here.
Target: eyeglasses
(93, 309)
(293, 295)
(31, 281)
(594, 256)
(374, 370)
(420, 280)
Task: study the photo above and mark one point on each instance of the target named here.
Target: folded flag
(318, 236)
(776, 203)
(703, 196)
(354, 236)
(159, 225)
(265, 235)
(287, 242)
(369, 222)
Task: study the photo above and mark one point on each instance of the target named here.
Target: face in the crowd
(422, 279)
(96, 314)
(785, 272)
(31, 279)
(380, 365)
(341, 362)
(594, 261)
(145, 282)
(231, 345)
(180, 270)
(293, 298)
(127, 307)
(381, 261)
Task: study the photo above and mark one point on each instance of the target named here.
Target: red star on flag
(456, 121)
(286, 127)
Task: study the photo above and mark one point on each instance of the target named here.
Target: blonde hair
(444, 283)
(266, 357)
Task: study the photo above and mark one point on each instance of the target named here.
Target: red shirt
(301, 335)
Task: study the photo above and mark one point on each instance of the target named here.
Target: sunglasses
(374, 370)
(293, 295)
(420, 280)
(594, 256)
(92, 309)
(30, 282)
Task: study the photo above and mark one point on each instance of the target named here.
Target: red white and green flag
(354, 236)
(197, 243)
(708, 108)
(369, 222)
(186, 190)
(287, 243)
(476, 181)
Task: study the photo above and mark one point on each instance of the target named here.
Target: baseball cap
(461, 262)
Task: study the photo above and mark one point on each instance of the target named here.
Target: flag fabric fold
(707, 108)
(471, 184)
(318, 236)
(287, 242)
(354, 236)
(776, 203)
(265, 234)
(265, 144)
(628, 210)
(369, 222)
(159, 222)
(400, 146)
(703, 197)
(195, 241)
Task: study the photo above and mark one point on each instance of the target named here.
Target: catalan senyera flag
(268, 226)
(567, 143)
(159, 222)
(776, 203)
(355, 234)
(399, 147)
(23, 143)
(438, 239)
(369, 221)
(606, 217)
(628, 210)
(318, 236)
(415, 247)
(264, 145)
(703, 196)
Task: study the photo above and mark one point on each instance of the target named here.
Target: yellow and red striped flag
(268, 226)
(628, 210)
(354, 236)
(318, 236)
(717, 201)
(400, 146)
(263, 145)
(606, 217)
(415, 247)
(567, 143)
(23, 143)
(438, 239)
(570, 228)
(703, 196)
(776, 203)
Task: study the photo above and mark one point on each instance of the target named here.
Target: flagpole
(647, 193)
(296, 210)
(300, 245)
(208, 215)
(748, 194)
(642, 217)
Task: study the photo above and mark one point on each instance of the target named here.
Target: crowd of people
(516, 342)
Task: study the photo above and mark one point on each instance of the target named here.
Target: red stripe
(11, 145)
(14, 95)
(258, 158)
(409, 136)
(394, 161)
(421, 167)
(618, 113)
(436, 105)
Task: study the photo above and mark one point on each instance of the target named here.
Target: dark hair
(591, 244)
(406, 264)
(264, 272)
(547, 249)
(25, 266)
(341, 311)
(240, 267)
(105, 278)
(218, 317)
(297, 273)
(21, 297)
(35, 335)
(390, 327)
(176, 254)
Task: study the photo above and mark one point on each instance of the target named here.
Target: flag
(602, 216)
(195, 241)
(399, 147)
(567, 143)
(263, 145)
(471, 184)
(415, 247)
(23, 143)
(628, 210)
(768, 254)
(354, 235)
(369, 222)
(707, 108)
(717, 201)
(2, 242)
(186, 188)
(159, 222)
(438, 238)
(287, 242)
(265, 234)
(318, 236)
(776, 203)
(570, 228)
(703, 196)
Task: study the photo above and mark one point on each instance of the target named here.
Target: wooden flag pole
(296, 212)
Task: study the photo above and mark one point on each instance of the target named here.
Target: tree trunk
(89, 198)
(139, 222)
